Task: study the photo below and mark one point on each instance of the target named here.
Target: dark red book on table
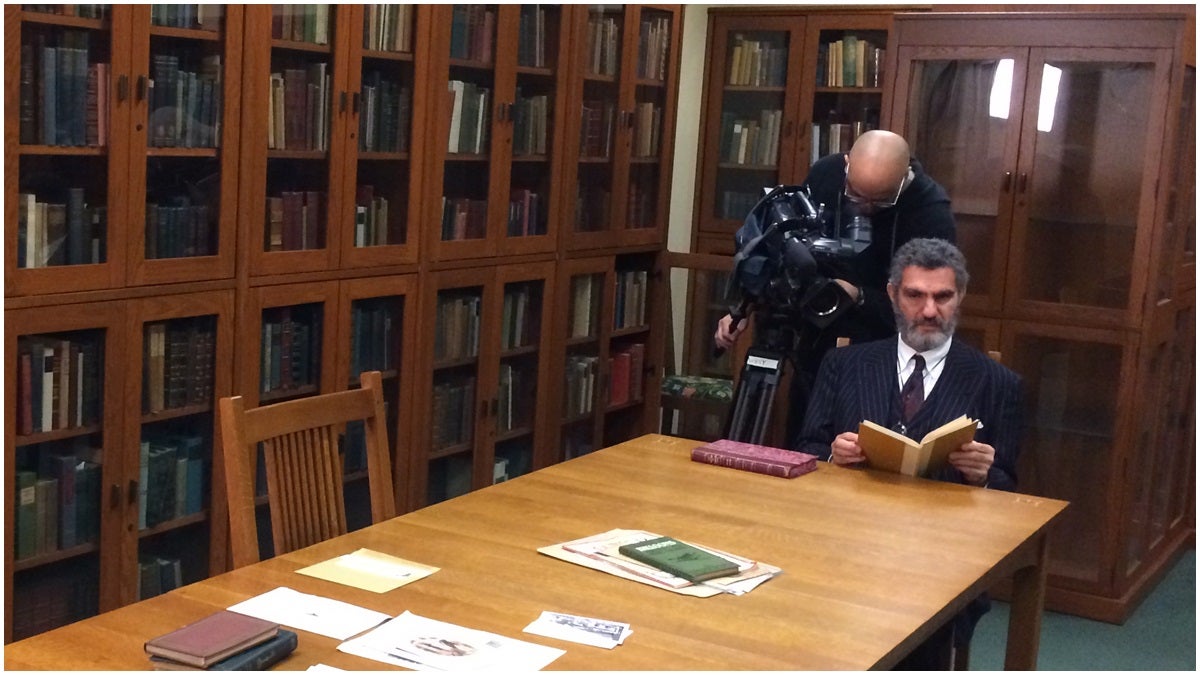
(757, 458)
(212, 638)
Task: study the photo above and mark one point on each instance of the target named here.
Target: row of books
(654, 47)
(171, 477)
(291, 349)
(515, 395)
(384, 121)
(180, 230)
(531, 37)
(388, 28)
(579, 388)
(472, 33)
(832, 137)
(592, 207)
(41, 602)
(453, 418)
(757, 63)
(81, 11)
(525, 214)
(629, 305)
(301, 23)
(51, 234)
(531, 124)
(298, 109)
(626, 374)
(371, 225)
(456, 327)
(63, 95)
(603, 45)
(58, 383)
(470, 122)
(647, 129)
(295, 221)
(751, 142)
(520, 319)
(58, 505)
(185, 102)
(849, 62)
(201, 17)
(596, 130)
(157, 575)
(735, 205)
(179, 357)
(464, 218)
(375, 336)
(577, 442)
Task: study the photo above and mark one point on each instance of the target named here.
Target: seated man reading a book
(869, 381)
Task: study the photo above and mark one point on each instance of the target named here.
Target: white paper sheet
(313, 613)
(420, 643)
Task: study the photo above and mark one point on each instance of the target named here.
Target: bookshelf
(782, 89)
(484, 366)
(190, 174)
(607, 351)
(617, 186)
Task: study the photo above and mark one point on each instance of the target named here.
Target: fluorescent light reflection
(1001, 90)
(1051, 77)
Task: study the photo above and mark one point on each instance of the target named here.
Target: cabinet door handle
(342, 102)
(495, 406)
(787, 129)
(355, 103)
(122, 88)
(142, 86)
(1022, 181)
(1006, 184)
(483, 407)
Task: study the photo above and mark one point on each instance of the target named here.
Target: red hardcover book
(618, 387)
(212, 638)
(757, 458)
(25, 386)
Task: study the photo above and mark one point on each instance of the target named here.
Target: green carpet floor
(1159, 635)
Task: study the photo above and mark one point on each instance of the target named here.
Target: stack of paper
(600, 552)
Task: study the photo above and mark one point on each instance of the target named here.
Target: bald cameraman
(880, 181)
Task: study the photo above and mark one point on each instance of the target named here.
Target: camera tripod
(766, 370)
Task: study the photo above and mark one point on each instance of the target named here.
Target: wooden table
(873, 563)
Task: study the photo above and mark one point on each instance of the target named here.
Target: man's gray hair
(930, 254)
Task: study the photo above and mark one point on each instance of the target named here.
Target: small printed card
(369, 570)
(581, 629)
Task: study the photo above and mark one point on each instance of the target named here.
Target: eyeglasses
(879, 204)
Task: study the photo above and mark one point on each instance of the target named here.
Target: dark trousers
(932, 654)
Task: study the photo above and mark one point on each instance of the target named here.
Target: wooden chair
(303, 467)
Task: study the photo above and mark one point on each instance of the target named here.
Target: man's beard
(922, 341)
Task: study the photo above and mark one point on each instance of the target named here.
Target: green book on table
(683, 560)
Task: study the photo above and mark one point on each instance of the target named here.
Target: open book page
(889, 450)
(939, 443)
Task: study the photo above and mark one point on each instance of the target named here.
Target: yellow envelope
(369, 570)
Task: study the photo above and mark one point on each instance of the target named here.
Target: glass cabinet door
(1084, 173)
(963, 124)
(753, 137)
(183, 159)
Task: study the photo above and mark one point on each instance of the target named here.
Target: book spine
(743, 463)
(261, 656)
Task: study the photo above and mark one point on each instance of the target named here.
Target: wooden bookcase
(1073, 218)
(195, 132)
(783, 87)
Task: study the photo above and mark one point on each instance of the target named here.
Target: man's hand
(726, 334)
(973, 461)
(845, 450)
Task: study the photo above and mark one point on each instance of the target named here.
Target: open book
(891, 451)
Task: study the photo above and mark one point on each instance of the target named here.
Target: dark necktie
(913, 393)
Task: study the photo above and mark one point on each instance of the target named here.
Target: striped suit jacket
(859, 382)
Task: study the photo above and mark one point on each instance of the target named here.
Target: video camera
(788, 253)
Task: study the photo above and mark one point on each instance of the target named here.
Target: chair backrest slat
(299, 441)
